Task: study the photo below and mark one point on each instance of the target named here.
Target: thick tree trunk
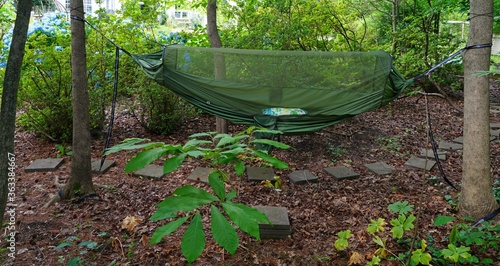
(9, 104)
(80, 181)
(477, 197)
(220, 70)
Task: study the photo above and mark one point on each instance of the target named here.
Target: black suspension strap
(101, 33)
(113, 105)
(445, 61)
(434, 148)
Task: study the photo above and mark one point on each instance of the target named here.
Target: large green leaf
(223, 232)
(246, 218)
(163, 213)
(129, 144)
(194, 192)
(193, 241)
(195, 153)
(239, 167)
(173, 163)
(225, 141)
(234, 152)
(195, 143)
(273, 143)
(272, 160)
(183, 203)
(442, 220)
(144, 159)
(203, 134)
(217, 184)
(166, 230)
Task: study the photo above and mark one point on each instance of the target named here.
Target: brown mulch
(318, 211)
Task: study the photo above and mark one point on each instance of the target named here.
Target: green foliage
(376, 226)
(342, 242)
(391, 144)
(401, 207)
(402, 224)
(336, 153)
(464, 239)
(63, 150)
(219, 149)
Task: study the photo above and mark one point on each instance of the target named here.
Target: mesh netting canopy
(291, 91)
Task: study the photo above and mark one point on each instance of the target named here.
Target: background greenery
(416, 33)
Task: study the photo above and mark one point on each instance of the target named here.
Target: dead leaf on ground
(356, 259)
(130, 222)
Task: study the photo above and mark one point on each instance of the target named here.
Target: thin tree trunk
(477, 197)
(9, 104)
(80, 181)
(220, 70)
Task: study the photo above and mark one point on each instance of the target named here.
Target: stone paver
(96, 166)
(424, 153)
(341, 172)
(495, 134)
(44, 165)
(495, 125)
(450, 146)
(200, 174)
(302, 176)
(151, 171)
(420, 163)
(380, 168)
(461, 139)
(260, 173)
(280, 224)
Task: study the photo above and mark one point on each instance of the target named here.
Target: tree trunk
(477, 199)
(9, 104)
(80, 181)
(220, 70)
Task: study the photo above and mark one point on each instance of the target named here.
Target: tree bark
(477, 199)
(9, 104)
(220, 70)
(80, 181)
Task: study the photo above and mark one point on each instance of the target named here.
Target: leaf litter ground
(317, 211)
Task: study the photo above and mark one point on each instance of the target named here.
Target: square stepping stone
(461, 139)
(96, 166)
(302, 176)
(495, 134)
(44, 165)
(495, 125)
(280, 224)
(151, 171)
(200, 174)
(450, 146)
(380, 168)
(260, 173)
(341, 172)
(430, 154)
(420, 163)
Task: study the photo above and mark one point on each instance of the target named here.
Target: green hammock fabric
(250, 86)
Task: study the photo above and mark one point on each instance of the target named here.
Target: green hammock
(290, 91)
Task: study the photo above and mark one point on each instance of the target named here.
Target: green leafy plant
(63, 150)
(463, 237)
(391, 144)
(84, 247)
(218, 149)
(336, 153)
(343, 241)
(275, 184)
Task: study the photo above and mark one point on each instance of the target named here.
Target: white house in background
(90, 6)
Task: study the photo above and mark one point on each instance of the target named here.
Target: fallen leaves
(130, 222)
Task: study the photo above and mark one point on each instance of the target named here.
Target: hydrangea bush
(45, 87)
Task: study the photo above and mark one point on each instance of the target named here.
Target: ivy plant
(225, 214)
